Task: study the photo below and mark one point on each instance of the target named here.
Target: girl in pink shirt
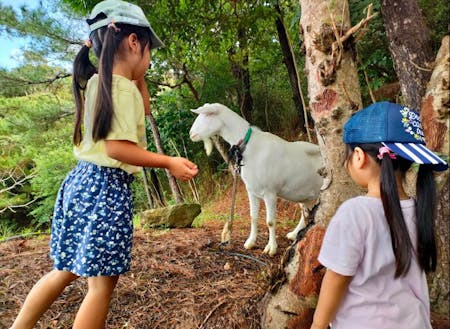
(378, 247)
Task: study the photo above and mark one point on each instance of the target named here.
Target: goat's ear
(207, 109)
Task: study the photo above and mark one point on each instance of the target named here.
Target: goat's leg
(271, 209)
(301, 225)
(254, 210)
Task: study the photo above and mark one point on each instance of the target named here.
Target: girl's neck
(373, 189)
(122, 73)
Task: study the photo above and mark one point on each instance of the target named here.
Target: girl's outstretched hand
(182, 168)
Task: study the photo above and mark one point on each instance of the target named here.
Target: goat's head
(206, 125)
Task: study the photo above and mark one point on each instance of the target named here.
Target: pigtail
(104, 106)
(425, 213)
(112, 38)
(83, 70)
(401, 242)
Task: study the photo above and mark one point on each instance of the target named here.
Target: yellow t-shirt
(128, 122)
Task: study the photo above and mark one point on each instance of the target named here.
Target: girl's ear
(359, 157)
(133, 41)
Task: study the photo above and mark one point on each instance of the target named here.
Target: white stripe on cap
(426, 153)
(408, 152)
(418, 153)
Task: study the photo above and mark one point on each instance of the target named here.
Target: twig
(419, 67)
(11, 208)
(24, 254)
(209, 314)
(23, 236)
(366, 78)
(230, 253)
(363, 22)
(191, 182)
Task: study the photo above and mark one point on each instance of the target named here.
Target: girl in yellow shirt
(92, 222)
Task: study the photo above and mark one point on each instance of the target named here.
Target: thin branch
(16, 182)
(11, 208)
(366, 78)
(209, 315)
(59, 76)
(419, 67)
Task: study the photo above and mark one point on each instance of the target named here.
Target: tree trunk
(435, 115)
(410, 46)
(291, 66)
(172, 181)
(239, 68)
(334, 94)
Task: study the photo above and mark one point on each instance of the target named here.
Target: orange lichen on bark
(308, 278)
(303, 320)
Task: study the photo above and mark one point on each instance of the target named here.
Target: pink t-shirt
(358, 243)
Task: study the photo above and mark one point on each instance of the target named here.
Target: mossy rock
(176, 216)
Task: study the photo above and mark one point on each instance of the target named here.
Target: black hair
(425, 210)
(105, 42)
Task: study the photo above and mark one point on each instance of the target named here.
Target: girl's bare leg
(41, 296)
(94, 308)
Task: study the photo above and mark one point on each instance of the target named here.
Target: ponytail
(401, 242)
(425, 213)
(112, 39)
(83, 70)
(104, 108)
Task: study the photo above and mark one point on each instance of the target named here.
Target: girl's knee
(102, 284)
(63, 277)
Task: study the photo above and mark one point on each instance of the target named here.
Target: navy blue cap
(397, 127)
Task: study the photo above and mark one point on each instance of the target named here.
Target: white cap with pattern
(119, 11)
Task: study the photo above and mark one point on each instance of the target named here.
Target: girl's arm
(142, 86)
(333, 289)
(129, 152)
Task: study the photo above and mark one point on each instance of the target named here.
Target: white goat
(272, 167)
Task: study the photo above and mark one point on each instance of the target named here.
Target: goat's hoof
(271, 250)
(292, 235)
(249, 244)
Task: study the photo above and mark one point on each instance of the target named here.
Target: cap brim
(418, 153)
(155, 40)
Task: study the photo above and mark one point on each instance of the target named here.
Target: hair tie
(88, 43)
(113, 26)
(385, 150)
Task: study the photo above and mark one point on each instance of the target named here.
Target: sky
(10, 47)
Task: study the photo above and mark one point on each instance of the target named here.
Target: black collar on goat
(236, 151)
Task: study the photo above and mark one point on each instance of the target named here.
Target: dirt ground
(180, 278)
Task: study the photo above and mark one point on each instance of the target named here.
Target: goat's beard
(208, 145)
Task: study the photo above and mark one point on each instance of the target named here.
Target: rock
(181, 215)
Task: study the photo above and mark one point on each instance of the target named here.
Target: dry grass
(180, 278)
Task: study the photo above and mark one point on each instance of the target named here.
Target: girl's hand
(182, 168)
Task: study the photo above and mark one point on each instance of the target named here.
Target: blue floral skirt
(92, 226)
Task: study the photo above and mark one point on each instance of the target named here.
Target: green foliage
(373, 50)
(437, 19)
(34, 135)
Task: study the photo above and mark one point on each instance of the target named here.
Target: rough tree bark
(334, 93)
(435, 113)
(410, 46)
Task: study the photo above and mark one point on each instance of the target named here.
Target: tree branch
(59, 76)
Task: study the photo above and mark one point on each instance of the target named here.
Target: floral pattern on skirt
(92, 226)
